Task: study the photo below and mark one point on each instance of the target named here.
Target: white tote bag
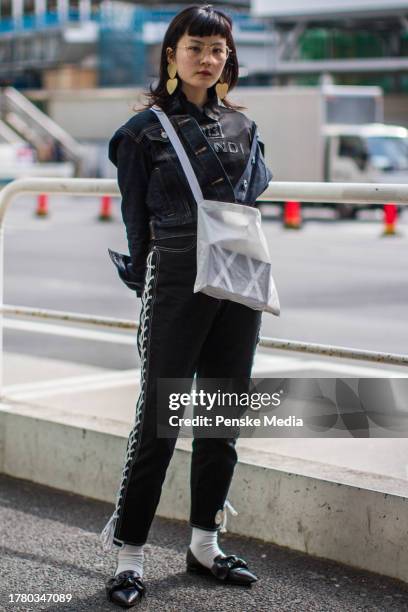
(233, 260)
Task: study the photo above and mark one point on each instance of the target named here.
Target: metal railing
(19, 111)
(276, 343)
(343, 193)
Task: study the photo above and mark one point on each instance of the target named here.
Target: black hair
(196, 20)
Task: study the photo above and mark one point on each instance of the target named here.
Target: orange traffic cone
(390, 219)
(292, 218)
(106, 209)
(42, 205)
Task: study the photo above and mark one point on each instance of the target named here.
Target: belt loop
(151, 225)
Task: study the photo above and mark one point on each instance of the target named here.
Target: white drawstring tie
(106, 537)
(227, 506)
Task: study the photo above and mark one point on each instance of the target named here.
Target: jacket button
(163, 134)
(253, 160)
(244, 185)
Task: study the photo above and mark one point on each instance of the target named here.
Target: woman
(182, 333)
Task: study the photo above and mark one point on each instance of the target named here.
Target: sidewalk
(49, 544)
(96, 392)
(65, 425)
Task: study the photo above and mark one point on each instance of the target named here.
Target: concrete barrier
(336, 513)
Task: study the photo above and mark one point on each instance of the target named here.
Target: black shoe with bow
(231, 569)
(126, 589)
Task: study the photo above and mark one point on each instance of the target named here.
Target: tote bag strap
(181, 153)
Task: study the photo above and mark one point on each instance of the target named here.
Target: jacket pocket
(169, 186)
(176, 244)
(158, 197)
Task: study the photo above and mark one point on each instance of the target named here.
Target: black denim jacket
(156, 197)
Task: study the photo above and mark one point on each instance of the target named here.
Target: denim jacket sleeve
(134, 167)
(261, 175)
(269, 174)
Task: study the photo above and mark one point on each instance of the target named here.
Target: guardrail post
(39, 185)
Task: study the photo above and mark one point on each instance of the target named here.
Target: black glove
(123, 265)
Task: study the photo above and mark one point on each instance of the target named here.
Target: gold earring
(172, 82)
(221, 89)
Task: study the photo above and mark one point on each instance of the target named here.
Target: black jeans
(181, 333)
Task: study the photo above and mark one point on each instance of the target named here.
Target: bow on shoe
(124, 580)
(126, 589)
(230, 569)
(223, 565)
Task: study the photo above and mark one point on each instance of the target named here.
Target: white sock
(130, 558)
(204, 546)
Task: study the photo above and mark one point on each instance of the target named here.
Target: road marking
(74, 384)
(265, 364)
(63, 286)
(71, 332)
(109, 380)
(357, 370)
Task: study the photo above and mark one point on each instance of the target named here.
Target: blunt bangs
(209, 23)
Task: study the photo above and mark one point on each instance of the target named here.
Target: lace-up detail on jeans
(107, 533)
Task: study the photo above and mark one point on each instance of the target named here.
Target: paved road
(49, 544)
(339, 282)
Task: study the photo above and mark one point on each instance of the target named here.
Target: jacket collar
(180, 105)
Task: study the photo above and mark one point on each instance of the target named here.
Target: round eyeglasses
(196, 50)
